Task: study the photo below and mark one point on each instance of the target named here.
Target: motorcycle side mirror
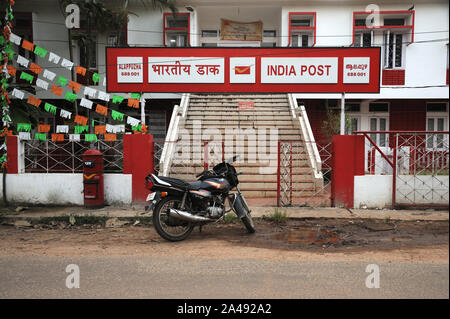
(232, 159)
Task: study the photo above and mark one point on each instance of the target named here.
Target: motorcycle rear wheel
(167, 227)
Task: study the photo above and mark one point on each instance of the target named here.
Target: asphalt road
(187, 277)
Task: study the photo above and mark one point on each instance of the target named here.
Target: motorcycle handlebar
(232, 159)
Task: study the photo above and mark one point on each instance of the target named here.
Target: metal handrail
(310, 143)
(179, 112)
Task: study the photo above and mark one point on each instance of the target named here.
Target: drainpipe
(343, 113)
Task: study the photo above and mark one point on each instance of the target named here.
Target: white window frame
(435, 116)
(352, 116)
(387, 52)
(361, 39)
(300, 33)
(377, 139)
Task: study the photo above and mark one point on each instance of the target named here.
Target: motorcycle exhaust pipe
(175, 213)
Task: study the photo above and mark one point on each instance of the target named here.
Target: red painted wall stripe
(347, 157)
(12, 154)
(138, 151)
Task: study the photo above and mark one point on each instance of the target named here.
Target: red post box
(93, 179)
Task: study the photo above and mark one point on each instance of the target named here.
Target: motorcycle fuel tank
(216, 185)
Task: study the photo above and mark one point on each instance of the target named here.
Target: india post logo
(241, 70)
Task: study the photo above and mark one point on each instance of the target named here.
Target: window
(209, 45)
(88, 52)
(352, 107)
(354, 125)
(379, 107)
(437, 107)
(435, 124)
(393, 50)
(269, 33)
(300, 40)
(117, 39)
(379, 124)
(269, 39)
(360, 22)
(176, 29)
(397, 22)
(210, 33)
(390, 21)
(302, 29)
(24, 28)
(300, 23)
(363, 39)
(437, 120)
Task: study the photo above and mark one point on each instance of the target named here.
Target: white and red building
(414, 61)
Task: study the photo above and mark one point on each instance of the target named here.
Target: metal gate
(298, 184)
(66, 157)
(418, 162)
(421, 169)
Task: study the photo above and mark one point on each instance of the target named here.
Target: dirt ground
(309, 238)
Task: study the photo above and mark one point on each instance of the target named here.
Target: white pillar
(343, 114)
(142, 109)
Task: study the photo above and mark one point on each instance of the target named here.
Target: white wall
(375, 191)
(63, 189)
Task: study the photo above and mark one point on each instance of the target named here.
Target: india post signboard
(288, 70)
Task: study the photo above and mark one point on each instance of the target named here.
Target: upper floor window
(393, 48)
(269, 38)
(363, 39)
(302, 29)
(176, 29)
(395, 29)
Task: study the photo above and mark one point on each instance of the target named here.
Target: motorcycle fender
(152, 199)
(237, 206)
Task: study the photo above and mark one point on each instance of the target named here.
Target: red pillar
(138, 151)
(12, 155)
(347, 161)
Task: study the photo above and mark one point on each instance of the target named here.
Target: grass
(230, 218)
(278, 216)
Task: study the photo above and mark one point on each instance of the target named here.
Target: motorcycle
(179, 206)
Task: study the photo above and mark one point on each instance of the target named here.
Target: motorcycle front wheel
(167, 227)
(248, 223)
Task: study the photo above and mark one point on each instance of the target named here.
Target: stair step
(247, 171)
(200, 163)
(237, 117)
(255, 178)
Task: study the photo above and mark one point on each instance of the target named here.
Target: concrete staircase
(216, 119)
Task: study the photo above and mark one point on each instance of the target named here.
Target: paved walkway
(292, 212)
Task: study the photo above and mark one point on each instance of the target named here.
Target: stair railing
(179, 112)
(299, 111)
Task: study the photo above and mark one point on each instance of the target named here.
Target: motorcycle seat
(174, 181)
(180, 183)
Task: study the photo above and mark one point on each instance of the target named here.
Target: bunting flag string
(6, 55)
(82, 126)
(109, 131)
(71, 97)
(61, 82)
